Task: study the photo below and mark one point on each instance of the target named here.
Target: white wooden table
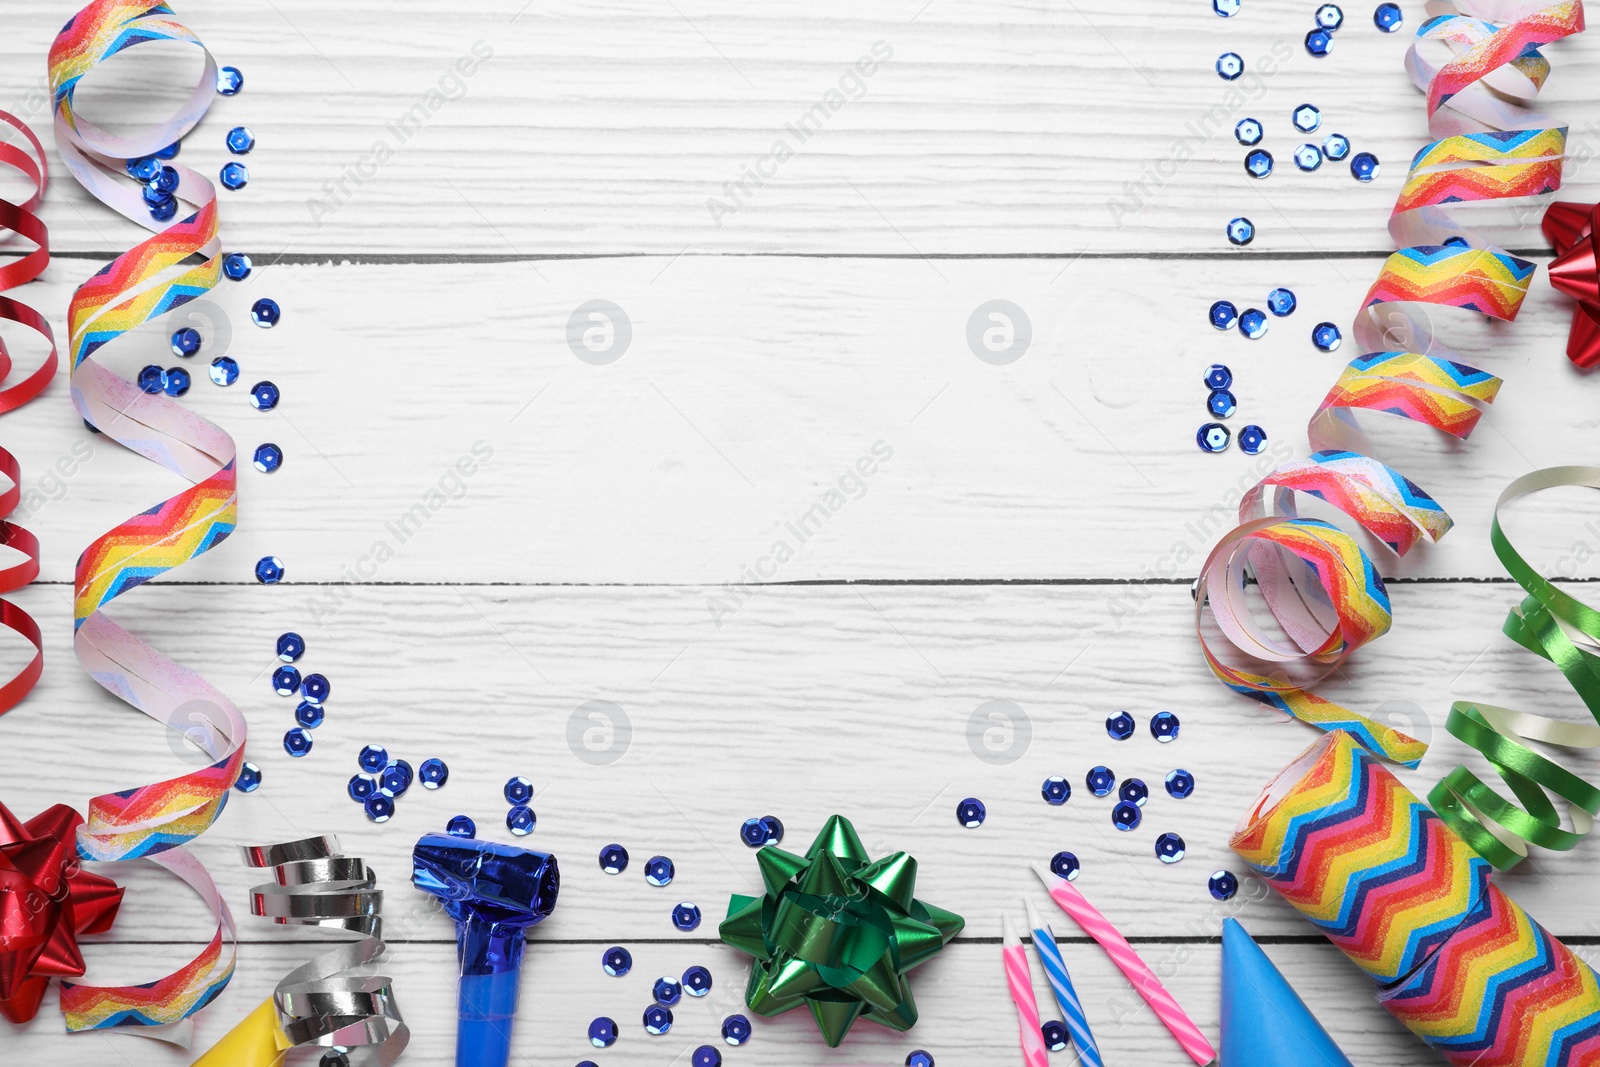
(1028, 533)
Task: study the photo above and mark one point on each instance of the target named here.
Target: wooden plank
(872, 702)
(991, 127)
(749, 399)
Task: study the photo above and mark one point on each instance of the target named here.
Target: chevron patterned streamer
(174, 265)
(1488, 147)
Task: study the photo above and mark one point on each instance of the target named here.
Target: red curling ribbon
(1570, 229)
(21, 220)
(46, 901)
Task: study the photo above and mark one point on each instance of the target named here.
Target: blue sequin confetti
(521, 820)
(268, 458)
(461, 826)
(1056, 790)
(613, 859)
(667, 991)
(1164, 726)
(1336, 146)
(1307, 118)
(686, 916)
(264, 396)
(171, 151)
(697, 981)
(144, 168)
(316, 688)
(241, 140)
(361, 786)
(1241, 231)
(395, 779)
(1054, 1034)
(166, 181)
(1258, 163)
(177, 381)
(165, 210)
(1253, 323)
(616, 961)
(1218, 376)
(1213, 437)
(378, 807)
(234, 175)
(919, 1058)
(1223, 314)
(237, 265)
(1126, 816)
(265, 313)
(155, 196)
(657, 1020)
(1223, 885)
(1226, 8)
(736, 1030)
(434, 773)
(1252, 439)
(659, 871)
(1100, 781)
(1180, 783)
(1169, 848)
(249, 779)
(752, 833)
(518, 790)
(1329, 17)
(1229, 66)
(224, 370)
(1247, 132)
(1319, 42)
(1281, 302)
(373, 758)
(1134, 791)
(603, 1032)
(1326, 336)
(285, 681)
(309, 715)
(1364, 166)
(1308, 157)
(1388, 17)
(773, 827)
(186, 342)
(296, 742)
(229, 81)
(1222, 404)
(1120, 726)
(152, 379)
(1064, 865)
(971, 813)
(291, 646)
(705, 1056)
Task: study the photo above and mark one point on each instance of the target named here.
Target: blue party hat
(1264, 1021)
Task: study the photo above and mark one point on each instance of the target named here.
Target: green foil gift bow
(837, 932)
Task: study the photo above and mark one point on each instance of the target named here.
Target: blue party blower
(494, 893)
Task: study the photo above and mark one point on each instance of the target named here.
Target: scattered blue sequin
(1387, 17)
(753, 832)
(1223, 314)
(1281, 302)
(178, 381)
(518, 790)
(919, 1058)
(264, 396)
(1064, 865)
(1180, 783)
(736, 1030)
(1100, 781)
(1226, 8)
(1055, 1036)
(229, 81)
(1336, 146)
(1120, 726)
(971, 813)
(224, 370)
(686, 916)
(237, 265)
(241, 140)
(1223, 885)
(285, 680)
(269, 570)
(1247, 132)
(155, 196)
(309, 715)
(521, 820)
(268, 458)
(144, 168)
(1056, 790)
(1329, 17)
(1253, 323)
(234, 175)
(697, 981)
(1169, 848)
(705, 1056)
(1222, 404)
(1126, 816)
(249, 779)
(434, 773)
(667, 991)
(296, 742)
(1258, 163)
(613, 859)
(1326, 336)
(603, 1032)
(165, 210)
(616, 961)
(373, 758)
(1241, 231)
(1307, 118)
(773, 827)
(361, 786)
(171, 151)
(1164, 726)
(1252, 439)
(1213, 437)
(1364, 166)
(265, 313)
(378, 807)
(461, 826)
(186, 342)
(1308, 157)
(1134, 791)
(657, 1020)
(395, 779)
(165, 182)
(1229, 66)
(1319, 42)
(659, 871)
(152, 379)
(316, 688)
(291, 646)
(1218, 376)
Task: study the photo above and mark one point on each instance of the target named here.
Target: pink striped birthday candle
(1020, 981)
(1128, 962)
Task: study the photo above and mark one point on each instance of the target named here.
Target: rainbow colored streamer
(176, 264)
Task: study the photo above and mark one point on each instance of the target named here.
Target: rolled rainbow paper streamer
(1055, 969)
(1358, 854)
(1138, 973)
(1019, 981)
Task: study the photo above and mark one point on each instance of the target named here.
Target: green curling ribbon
(1566, 632)
(838, 932)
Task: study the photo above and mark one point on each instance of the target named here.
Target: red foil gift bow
(46, 901)
(1570, 229)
